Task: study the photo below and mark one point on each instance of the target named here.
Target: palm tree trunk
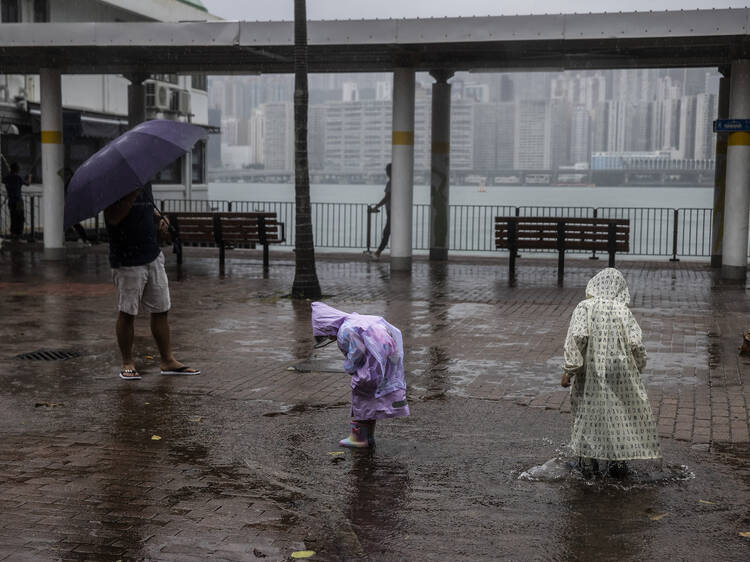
(306, 285)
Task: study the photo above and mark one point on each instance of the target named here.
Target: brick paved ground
(74, 435)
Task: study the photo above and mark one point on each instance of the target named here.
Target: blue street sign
(731, 125)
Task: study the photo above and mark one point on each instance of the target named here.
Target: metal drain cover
(49, 355)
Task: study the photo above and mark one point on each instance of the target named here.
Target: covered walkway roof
(502, 43)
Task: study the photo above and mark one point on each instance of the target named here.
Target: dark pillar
(720, 175)
(440, 165)
(136, 98)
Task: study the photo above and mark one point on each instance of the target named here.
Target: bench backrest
(240, 227)
(259, 226)
(573, 233)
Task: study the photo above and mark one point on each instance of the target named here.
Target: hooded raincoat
(612, 417)
(374, 353)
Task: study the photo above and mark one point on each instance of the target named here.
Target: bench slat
(561, 234)
(232, 228)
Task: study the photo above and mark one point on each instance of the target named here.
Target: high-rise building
(506, 137)
(665, 124)
(533, 135)
(462, 136)
(706, 109)
(278, 136)
(686, 139)
(316, 137)
(580, 135)
(484, 117)
(357, 136)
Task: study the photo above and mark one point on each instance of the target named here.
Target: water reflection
(438, 357)
(607, 522)
(378, 491)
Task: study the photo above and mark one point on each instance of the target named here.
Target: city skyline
(499, 121)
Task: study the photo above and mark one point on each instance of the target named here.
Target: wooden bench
(561, 234)
(227, 231)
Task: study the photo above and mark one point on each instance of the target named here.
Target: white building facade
(95, 107)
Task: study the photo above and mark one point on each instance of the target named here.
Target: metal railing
(672, 233)
(32, 211)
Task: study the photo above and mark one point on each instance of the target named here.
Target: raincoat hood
(609, 284)
(326, 320)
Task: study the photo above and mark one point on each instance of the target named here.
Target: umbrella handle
(171, 228)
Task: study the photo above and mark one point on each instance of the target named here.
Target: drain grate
(49, 355)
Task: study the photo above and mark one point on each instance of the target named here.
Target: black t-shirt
(133, 240)
(13, 184)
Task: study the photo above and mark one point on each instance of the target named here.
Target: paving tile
(87, 478)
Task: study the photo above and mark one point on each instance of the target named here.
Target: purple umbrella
(126, 164)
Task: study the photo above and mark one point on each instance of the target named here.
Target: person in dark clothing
(385, 201)
(140, 278)
(13, 184)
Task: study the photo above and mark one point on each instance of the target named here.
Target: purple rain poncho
(374, 354)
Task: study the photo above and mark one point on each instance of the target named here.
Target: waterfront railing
(667, 232)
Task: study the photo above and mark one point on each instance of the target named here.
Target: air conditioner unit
(162, 96)
(184, 104)
(157, 96)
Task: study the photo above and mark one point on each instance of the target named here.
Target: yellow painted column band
(52, 137)
(739, 139)
(441, 147)
(403, 138)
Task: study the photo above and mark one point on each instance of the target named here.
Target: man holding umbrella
(116, 180)
(140, 278)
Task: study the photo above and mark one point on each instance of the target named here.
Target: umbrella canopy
(126, 164)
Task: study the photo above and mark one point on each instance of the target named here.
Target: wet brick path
(92, 467)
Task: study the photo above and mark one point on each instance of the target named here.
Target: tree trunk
(306, 285)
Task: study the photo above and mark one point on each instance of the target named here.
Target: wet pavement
(237, 463)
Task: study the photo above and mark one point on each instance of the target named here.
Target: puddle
(639, 472)
(318, 366)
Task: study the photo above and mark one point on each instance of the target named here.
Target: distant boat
(507, 180)
(475, 180)
(537, 179)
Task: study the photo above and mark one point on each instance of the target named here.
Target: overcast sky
(252, 10)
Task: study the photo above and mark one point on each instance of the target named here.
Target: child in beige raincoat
(604, 355)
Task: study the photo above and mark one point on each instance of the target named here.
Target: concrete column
(402, 172)
(136, 98)
(720, 176)
(737, 196)
(53, 202)
(440, 165)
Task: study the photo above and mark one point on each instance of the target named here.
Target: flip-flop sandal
(184, 370)
(130, 375)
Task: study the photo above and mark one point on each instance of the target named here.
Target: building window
(41, 13)
(9, 11)
(199, 162)
(172, 174)
(199, 82)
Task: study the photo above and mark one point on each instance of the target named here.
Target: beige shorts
(142, 287)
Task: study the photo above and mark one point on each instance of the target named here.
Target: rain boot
(361, 436)
(618, 469)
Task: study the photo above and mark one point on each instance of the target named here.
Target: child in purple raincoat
(374, 354)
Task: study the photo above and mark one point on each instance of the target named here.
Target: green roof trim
(197, 4)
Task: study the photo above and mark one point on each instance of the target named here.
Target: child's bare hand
(565, 380)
